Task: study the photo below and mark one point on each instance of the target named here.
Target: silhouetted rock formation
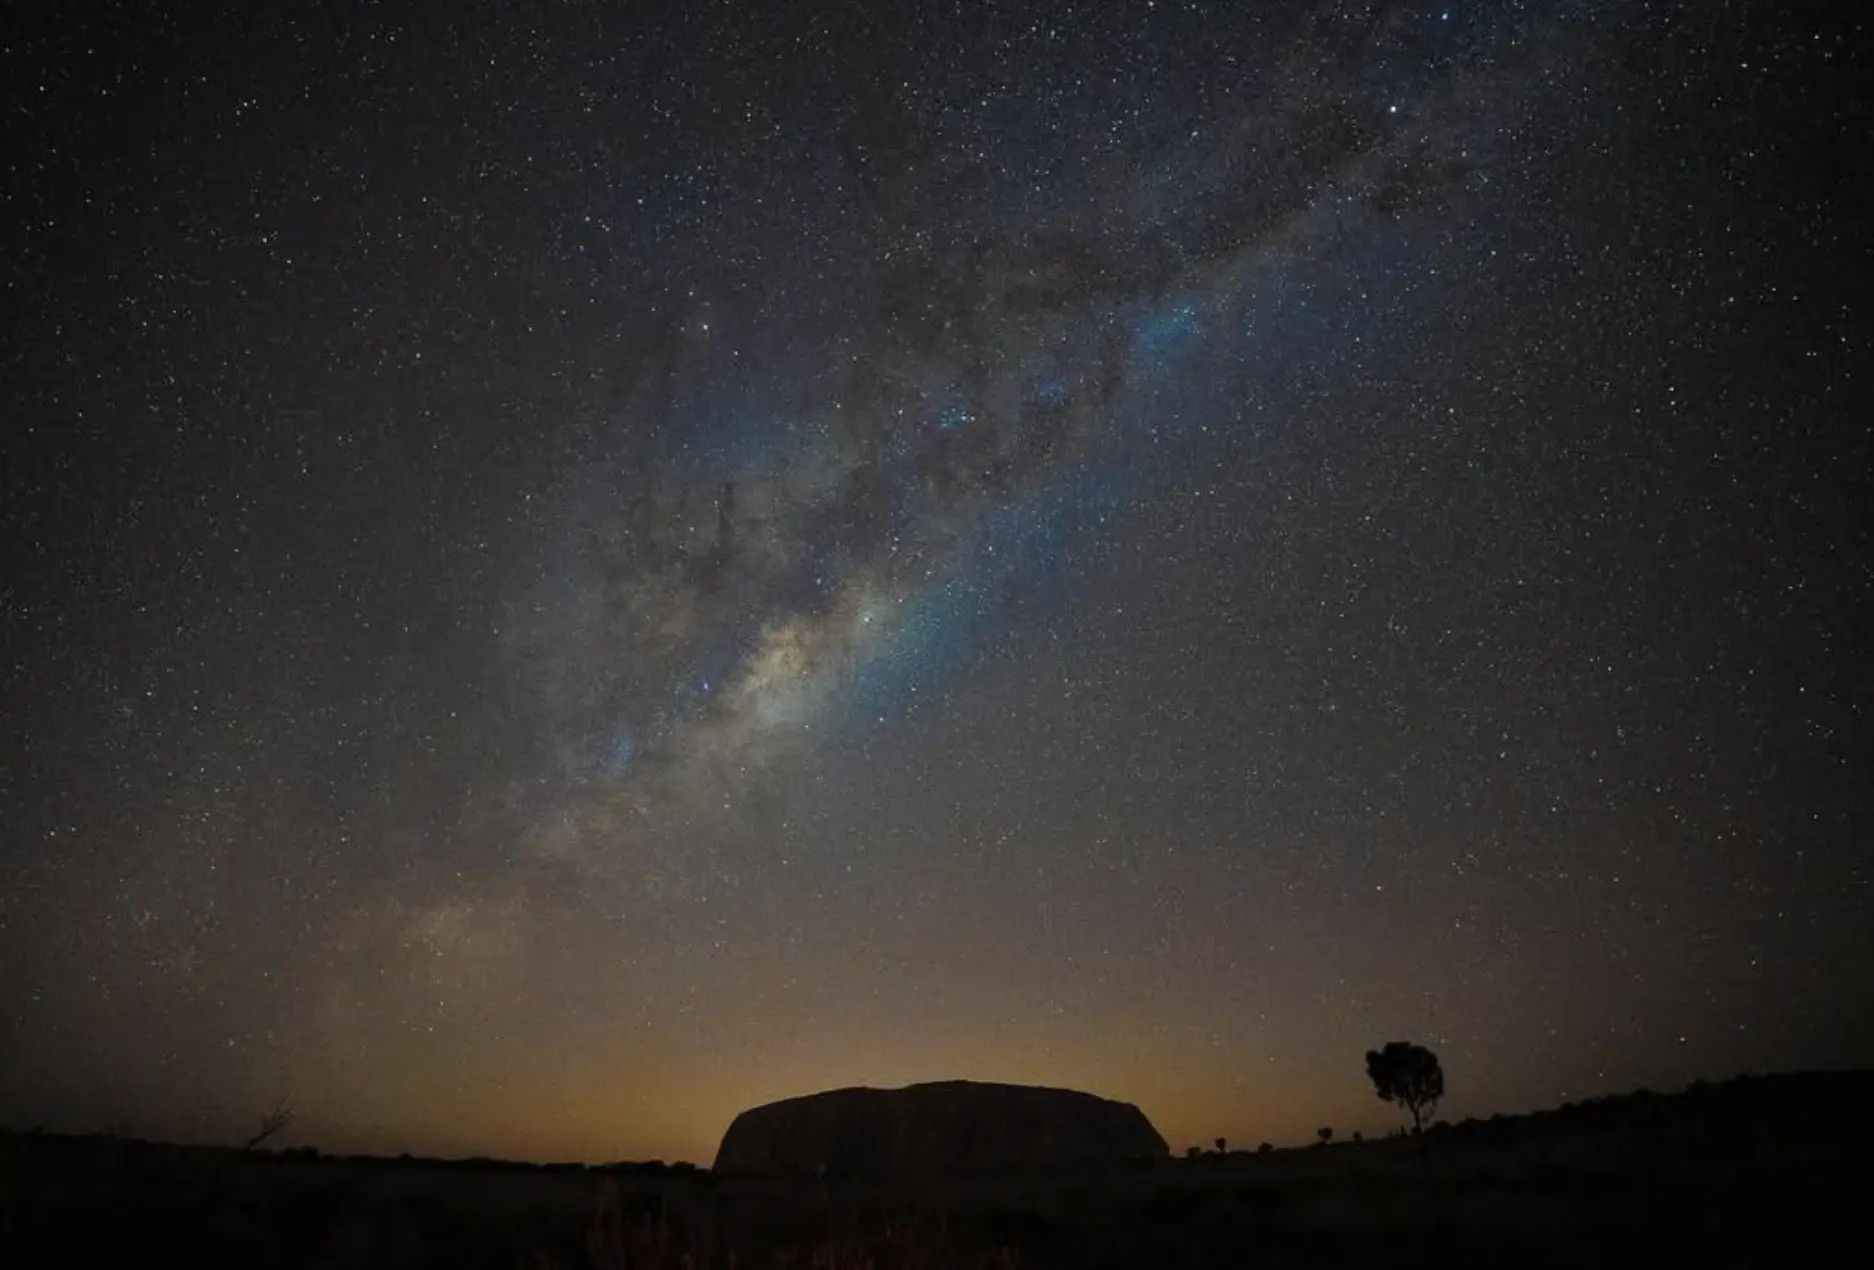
(948, 1129)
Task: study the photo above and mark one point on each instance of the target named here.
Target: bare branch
(279, 1118)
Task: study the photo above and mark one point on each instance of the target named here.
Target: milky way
(1000, 390)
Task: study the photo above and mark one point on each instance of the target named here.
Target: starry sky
(566, 570)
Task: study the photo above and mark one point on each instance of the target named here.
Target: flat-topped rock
(947, 1129)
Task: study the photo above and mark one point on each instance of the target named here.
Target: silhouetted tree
(1191, 1153)
(1220, 1145)
(1326, 1135)
(1357, 1137)
(1265, 1148)
(1409, 1075)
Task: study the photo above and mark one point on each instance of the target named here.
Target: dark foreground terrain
(1761, 1171)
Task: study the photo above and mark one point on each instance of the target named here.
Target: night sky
(566, 570)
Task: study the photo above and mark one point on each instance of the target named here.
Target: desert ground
(1756, 1171)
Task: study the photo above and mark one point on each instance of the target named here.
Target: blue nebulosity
(1022, 558)
(1160, 334)
(955, 414)
(620, 750)
(937, 631)
(719, 442)
(1048, 387)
